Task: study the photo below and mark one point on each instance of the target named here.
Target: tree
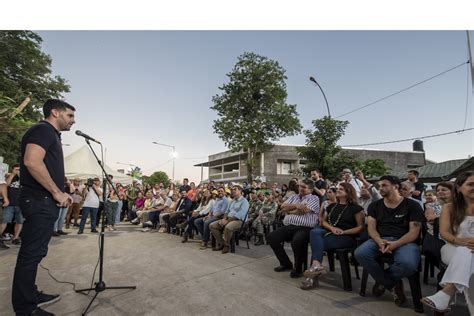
(135, 172)
(252, 108)
(24, 71)
(157, 177)
(322, 152)
(372, 167)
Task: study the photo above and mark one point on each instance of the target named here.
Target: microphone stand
(100, 285)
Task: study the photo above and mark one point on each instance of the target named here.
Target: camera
(90, 182)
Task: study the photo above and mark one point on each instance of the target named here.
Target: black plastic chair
(414, 280)
(343, 256)
(235, 236)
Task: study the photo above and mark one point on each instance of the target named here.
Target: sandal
(314, 272)
(309, 284)
(438, 302)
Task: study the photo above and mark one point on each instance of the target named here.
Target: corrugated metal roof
(441, 169)
(437, 170)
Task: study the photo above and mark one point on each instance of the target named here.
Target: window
(233, 167)
(285, 167)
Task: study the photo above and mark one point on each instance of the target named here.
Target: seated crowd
(388, 218)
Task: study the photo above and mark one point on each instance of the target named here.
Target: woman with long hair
(431, 242)
(207, 202)
(341, 225)
(457, 229)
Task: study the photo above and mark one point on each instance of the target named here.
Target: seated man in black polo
(301, 215)
(394, 224)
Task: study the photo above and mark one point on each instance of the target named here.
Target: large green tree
(25, 71)
(252, 108)
(157, 177)
(323, 152)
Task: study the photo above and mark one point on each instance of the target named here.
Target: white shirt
(2, 174)
(92, 199)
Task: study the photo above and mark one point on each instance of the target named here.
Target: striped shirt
(309, 219)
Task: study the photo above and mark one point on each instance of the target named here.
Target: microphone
(79, 133)
(312, 79)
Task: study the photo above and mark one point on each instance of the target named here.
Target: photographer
(93, 195)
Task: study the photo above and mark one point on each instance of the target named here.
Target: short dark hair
(308, 182)
(416, 173)
(52, 104)
(392, 179)
(317, 170)
(17, 165)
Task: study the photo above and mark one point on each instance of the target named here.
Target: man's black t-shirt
(347, 219)
(320, 184)
(395, 222)
(184, 187)
(419, 186)
(46, 136)
(14, 191)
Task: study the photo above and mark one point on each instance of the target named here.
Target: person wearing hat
(93, 196)
(235, 215)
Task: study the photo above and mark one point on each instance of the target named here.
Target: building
(276, 164)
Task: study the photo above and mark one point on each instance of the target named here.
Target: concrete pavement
(179, 279)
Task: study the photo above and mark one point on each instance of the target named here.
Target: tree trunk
(250, 160)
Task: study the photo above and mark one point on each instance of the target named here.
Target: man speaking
(41, 196)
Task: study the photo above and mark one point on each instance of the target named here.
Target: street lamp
(174, 154)
(325, 99)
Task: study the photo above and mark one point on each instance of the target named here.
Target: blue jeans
(40, 213)
(203, 227)
(118, 212)
(320, 243)
(12, 212)
(58, 225)
(85, 213)
(405, 262)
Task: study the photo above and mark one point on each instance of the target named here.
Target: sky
(131, 88)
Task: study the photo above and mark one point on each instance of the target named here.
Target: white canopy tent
(83, 165)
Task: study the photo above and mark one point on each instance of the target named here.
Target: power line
(408, 139)
(402, 90)
(467, 99)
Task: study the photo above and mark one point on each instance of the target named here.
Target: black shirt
(186, 188)
(14, 191)
(320, 184)
(46, 136)
(347, 213)
(395, 222)
(419, 186)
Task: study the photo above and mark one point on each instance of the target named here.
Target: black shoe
(283, 268)
(60, 232)
(185, 238)
(16, 241)
(46, 299)
(296, 274)
(399, 294)
(76, 225)
(94, 231)
(56, 234)
(80, 232)
(378, 289)
(41, 312)
(3, 246)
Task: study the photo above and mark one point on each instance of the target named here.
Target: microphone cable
(72, 283)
